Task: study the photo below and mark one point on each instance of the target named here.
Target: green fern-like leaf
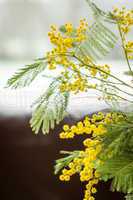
(98, 13)
(100, 41)
(64, 162)
(50, 109)
(26, 75)
(120, 169)
(119, 136)
(123, 142)
(117, 155)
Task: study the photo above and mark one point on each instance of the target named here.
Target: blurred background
(24, 25)
(26, 160)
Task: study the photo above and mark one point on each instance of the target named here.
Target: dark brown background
(26, 164)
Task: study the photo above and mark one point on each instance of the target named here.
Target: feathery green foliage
(120, 169)
(117, 156)
(50, 109)
(64, 162)
(119, 137)
(98, 13)
(27, 74)
(100, 41)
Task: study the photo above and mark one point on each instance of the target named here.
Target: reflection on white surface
(20, 100)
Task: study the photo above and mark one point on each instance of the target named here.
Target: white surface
(19, 101)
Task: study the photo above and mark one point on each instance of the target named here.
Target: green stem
(113, 94)
(71, 54)
(120, 89)
(95, 67)
(123, 46)
(109, 83)
(100, 13)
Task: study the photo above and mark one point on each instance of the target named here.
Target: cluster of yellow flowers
(94, 126)
(124, 18)
(83, 164)
(129, 49)
(79, 84)
(64, 54)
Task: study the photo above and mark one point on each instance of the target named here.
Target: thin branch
(123, 46)
(111, 75)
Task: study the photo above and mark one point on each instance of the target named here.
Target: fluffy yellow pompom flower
(65, 43)
(129, 49)
(94, 126)
(124, 18)
(83, 163)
